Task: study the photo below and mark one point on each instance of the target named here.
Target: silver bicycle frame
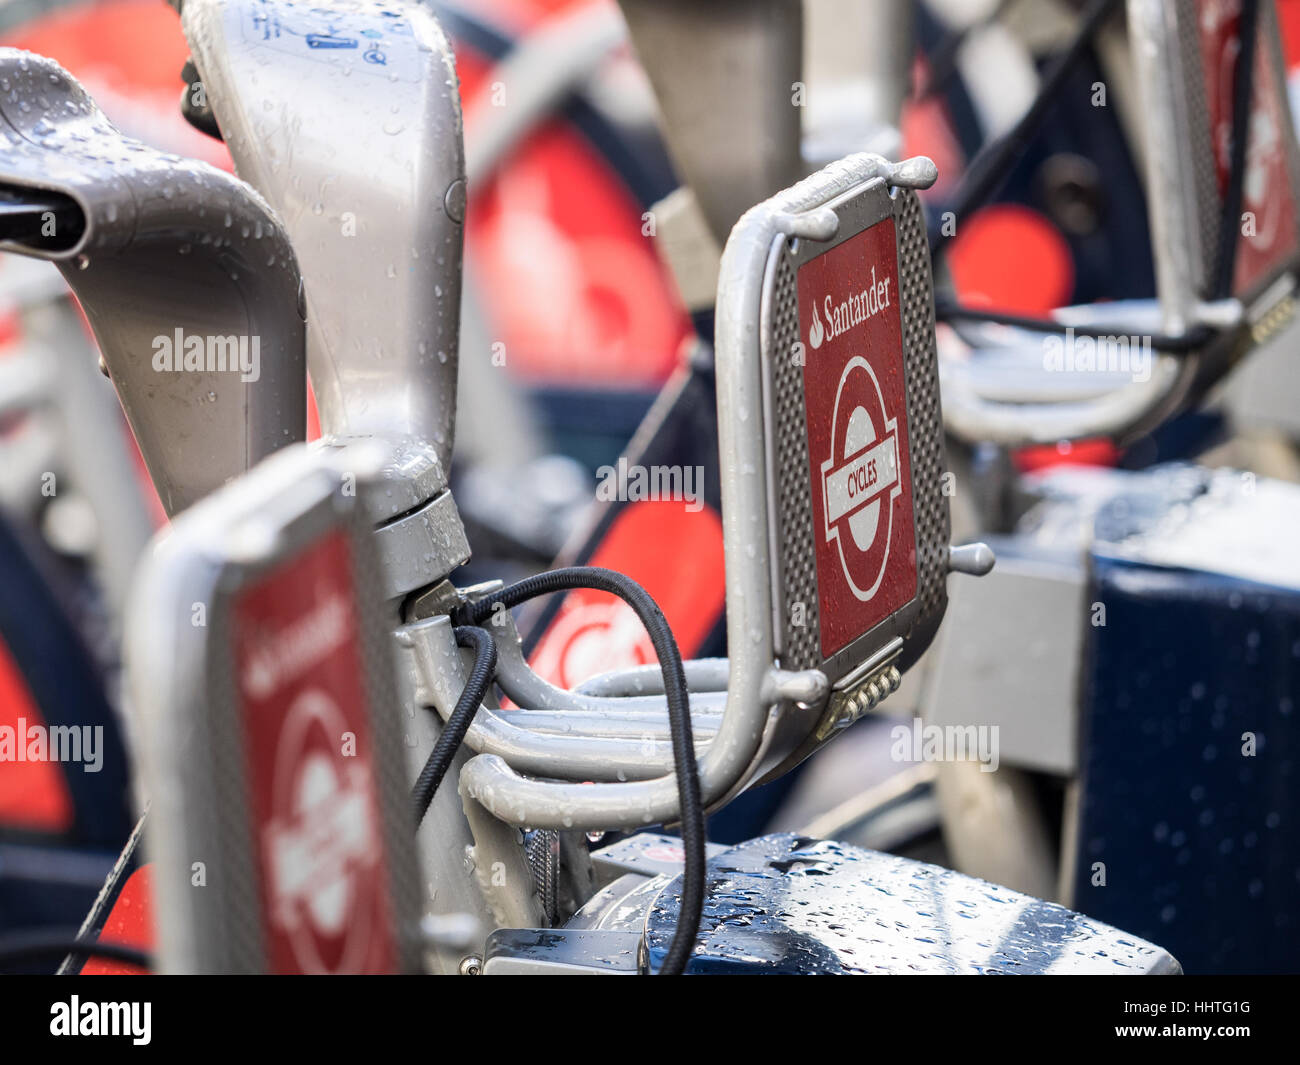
(724, 73)
(347, 118)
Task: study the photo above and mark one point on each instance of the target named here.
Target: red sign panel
(1269, 223)
(855, 403)
(312, 794)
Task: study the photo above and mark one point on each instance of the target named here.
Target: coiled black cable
(679, 720)
(453, 732)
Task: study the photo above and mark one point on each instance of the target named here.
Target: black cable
(453, 732)
(58, 942)
(1192, 340)
(679, 720)
(1242, 90)
(989, 168)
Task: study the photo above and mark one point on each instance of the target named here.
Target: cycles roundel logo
(312, 792)
(321, 842)
(860, 479)
(856, 416)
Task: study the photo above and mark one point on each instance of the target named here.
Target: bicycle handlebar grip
(187, 278)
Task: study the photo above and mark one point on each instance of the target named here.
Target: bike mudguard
(833, 277)
(347, 119)
(279, 827)
(1186, 55)
(786, 904)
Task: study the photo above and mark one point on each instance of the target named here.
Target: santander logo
(855, 410)
(281, 656)
(858, 307)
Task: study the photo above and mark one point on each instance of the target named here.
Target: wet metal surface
(788, 904)
(1188, 831)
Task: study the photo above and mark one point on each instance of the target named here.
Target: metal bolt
(471, 965)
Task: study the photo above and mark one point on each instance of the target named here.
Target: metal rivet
(454, 201)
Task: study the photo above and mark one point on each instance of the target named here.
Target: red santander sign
(312, 795)
(1269, 231)
(855, 405)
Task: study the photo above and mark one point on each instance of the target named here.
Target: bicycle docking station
(284, 617)
(831, 447)
(291, 837)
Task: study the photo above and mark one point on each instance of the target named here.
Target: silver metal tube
(575, 758)
(519, 681)
(702, 675)
(1174, 235)
(574, 745)
(1121, 413)
(706, 716)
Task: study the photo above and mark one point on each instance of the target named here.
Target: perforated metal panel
(933, 524)
(202, 713)
(1200, 141)
(796, 599)
(542, 848)
(797, 583)
(1193, 19)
